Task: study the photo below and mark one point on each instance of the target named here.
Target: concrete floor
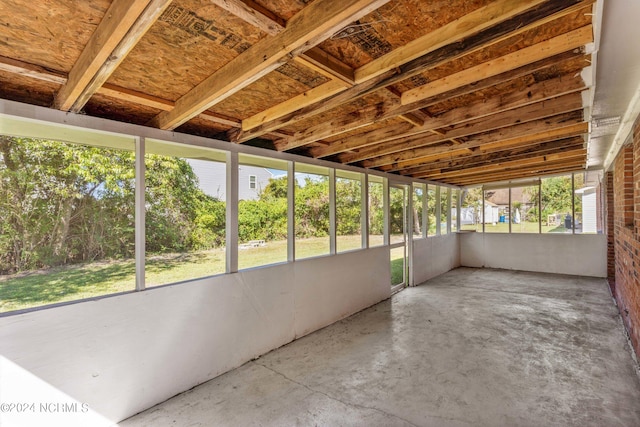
(472, 347)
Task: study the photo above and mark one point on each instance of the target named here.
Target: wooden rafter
(315, 23)
(521, 172)
(267, 21)
(484, 37)
(518, 116)
(499, 104)
(566, 42)
(514, 153)
(565, 155)
(123, 25)
(540, 130)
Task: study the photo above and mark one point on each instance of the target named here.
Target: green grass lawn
(68, 283)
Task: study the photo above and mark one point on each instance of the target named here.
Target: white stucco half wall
(434, 256)
(123, 354)
(579, 254)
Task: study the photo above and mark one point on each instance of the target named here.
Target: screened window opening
(262, 217)
(185, 204)
(66, 221)
(348, 211)
(311, 211)
(376, 211)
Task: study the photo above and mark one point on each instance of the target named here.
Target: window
(454, 210)
(418, 202)
(185, 203)
(311, 211)
(445, 199)
(431, 211)
(252, 182)
(471, 209)
(556, 203)
(524, 209)
(67, 212)
(376, 211)
(496, 210)
(262, 220)
(348, 211)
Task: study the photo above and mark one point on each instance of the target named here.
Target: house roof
(455, 91)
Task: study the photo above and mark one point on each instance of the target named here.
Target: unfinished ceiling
(454, 91)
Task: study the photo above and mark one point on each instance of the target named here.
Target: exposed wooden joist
(569, 41)
(306, 98)
(519, 173)
(336, 126)
(535, 93)
(31, 70)
(313, 24)
(254, 14)
(545, 129)
(108, 89)
(123, 25)
(505, 165)
(540, 15)
(518, 116)
(267, 21)
(513, 153)
(482, 18)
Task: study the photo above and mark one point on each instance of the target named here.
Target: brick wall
(626, 234)
(609, 212)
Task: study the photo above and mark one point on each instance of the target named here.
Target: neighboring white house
(469, 215)
(588, 195)
(212, 178)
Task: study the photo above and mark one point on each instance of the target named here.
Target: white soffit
(616, 101)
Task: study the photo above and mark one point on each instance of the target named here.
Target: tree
(63, 203)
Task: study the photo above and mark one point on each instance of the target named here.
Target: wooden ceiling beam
(262, 18)
(309, 97)
(535, 93)
(124, 24)
(487, 108)
(557, 127)
(507, 164)
(513, 153)
(309, 27)
(529, 172)
(430, 58)
(517, 116)
(482, 18)
(572, 40)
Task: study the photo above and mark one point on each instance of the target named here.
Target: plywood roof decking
(452, 91)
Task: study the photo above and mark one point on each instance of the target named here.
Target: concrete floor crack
(355, 405)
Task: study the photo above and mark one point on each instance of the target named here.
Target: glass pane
(471, 210)
(444, 209)
(262, 212)
(348, 214)
(454, 210)
(396, 214)
(185, 216)
(376, 213)
(418, 199)
(66, 222)
(556, 204)
(496, 211)
(524, 210)
(311, 213)
(431, 210)
(584, 204)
